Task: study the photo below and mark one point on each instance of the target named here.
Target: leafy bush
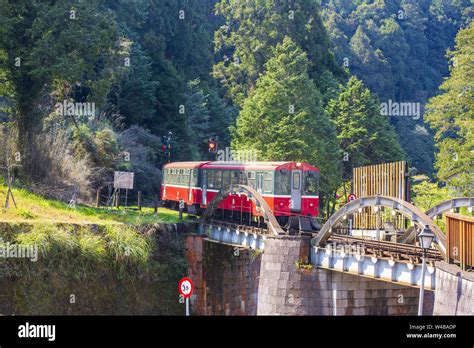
(145, 153)
(107, 269)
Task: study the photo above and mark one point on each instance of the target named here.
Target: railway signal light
(166, 146)
(212, 146)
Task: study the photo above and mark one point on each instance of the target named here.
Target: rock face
(454, 294)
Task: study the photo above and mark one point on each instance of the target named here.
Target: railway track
(390, 250)
(379, 249)
(240, 227)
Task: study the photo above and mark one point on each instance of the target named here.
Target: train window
(225, 178)
(296, 180)
(186, 177)
(210, 179)
(282, 182)
(175, 176)
(218, 179)
(311, 183)
(267, 182)
(194, 180)
(251, 179)
(243, 178)
(234, 177)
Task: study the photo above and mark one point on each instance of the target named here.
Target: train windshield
(282, 182)
(311, 183)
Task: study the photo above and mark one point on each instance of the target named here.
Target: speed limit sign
(186, 287)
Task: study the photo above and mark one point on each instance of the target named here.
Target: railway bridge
(324, 272)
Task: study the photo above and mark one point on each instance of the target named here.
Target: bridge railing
(460, 239)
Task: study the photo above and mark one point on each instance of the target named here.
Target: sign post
(186, 288)
(122, 180)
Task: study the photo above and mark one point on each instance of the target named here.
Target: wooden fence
(460, 240)
(386, 179)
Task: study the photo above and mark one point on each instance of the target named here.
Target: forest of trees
(398, 48)
(293, 80)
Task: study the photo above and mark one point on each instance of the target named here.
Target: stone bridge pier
(289, 285)
(282, 281)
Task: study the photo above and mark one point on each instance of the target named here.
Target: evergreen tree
(51, 48)
(221, 117)
(365, 136)
(397, 48)
(283, 118)
(253, 28)
(135, 95)
(451, 114)
(197, 119)
(177, 36)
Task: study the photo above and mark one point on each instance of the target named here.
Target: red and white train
(289, 188)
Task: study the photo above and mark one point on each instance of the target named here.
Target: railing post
(97, 201)
(139, 200)
(117, 199)
(156, 204)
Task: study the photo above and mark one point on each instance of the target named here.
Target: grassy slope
(33, 208)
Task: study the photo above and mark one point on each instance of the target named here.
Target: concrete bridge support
(454, 294)
(225, 277)
(286, 288)
(282, 281)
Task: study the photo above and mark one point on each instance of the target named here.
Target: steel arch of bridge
(440, 209)
(450, 204)
(405, 208)
(254, 196)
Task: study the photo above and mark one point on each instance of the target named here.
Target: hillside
(35, 209)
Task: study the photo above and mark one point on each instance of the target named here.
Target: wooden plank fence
(460, 240)
(387, 179)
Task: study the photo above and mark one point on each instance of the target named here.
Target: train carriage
(289, 188)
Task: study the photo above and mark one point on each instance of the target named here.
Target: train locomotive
(289, 188)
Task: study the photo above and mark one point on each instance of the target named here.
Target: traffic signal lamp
(212, 146)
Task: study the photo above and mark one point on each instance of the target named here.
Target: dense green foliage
(397, 47)
(110, 270)
(51, 48)
(286, 106)
(253, 28)
(365, 136)
(451, 114)
(426, 195)
(193, 67)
